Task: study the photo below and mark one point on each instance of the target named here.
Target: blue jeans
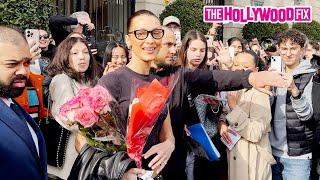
(291, 169)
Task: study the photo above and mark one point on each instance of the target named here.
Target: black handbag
(95, 164)
(56, 138)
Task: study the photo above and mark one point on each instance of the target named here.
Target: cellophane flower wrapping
(149, 99)
(97, 114)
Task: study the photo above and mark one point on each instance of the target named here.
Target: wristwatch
(298, 96)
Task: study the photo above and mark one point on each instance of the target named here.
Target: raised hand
(223, 55)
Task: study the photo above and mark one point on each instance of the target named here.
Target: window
(297, 2)
(257, 2)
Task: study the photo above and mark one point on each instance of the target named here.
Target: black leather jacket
(316, 114)
(95, 164)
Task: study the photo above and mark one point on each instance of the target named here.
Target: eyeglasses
(143, 34)
(46, 36)
(117, 57)
(293, 50)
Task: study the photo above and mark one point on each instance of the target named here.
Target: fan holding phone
(173, 23)
(79, 22)
(32, 36)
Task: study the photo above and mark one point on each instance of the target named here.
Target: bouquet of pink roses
(96, 113)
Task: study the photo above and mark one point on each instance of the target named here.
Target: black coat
(95, 164)
(57, 27)
(316, 114)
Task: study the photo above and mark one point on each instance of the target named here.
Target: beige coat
(62, 88)
(251, 157)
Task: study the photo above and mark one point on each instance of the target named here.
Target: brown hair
(108, 52)
(139, 13)
(75, 33)
(61, 63)
(294, 35)
(314, 45)
(190, 36)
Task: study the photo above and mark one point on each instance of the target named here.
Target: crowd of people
(275, 113)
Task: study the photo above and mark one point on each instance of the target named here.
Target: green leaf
(190, 14)
(25, 15)
(260, 30)
(310, 29)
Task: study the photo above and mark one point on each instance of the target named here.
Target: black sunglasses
(143, 34)
(46, 36)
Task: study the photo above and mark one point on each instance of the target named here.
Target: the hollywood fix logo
(227, 14)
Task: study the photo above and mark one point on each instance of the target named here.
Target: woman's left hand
(163, 151)
(290, 84)
(232, 98)
(223, 55)
(35, 51)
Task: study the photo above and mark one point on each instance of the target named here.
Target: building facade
(109, 16)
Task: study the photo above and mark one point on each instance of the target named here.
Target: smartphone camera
(29, 34)
(315, 61)
(268, 44)
(86, 31)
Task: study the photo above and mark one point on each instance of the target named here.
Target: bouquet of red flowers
(96, 113)
(149, 100)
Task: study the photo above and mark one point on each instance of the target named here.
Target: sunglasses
(143, 34)
(45, 36)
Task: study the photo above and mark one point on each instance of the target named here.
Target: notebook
(234, 137)
(199, 134)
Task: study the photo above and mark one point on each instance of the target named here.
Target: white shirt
(35, 67)
(33, 134)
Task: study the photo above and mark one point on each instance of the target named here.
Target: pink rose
(101, 98)
(63, 111)
(103, 92)
(67, 116)
(86, 117)
(84, 92)
(73, 103)
(98, 102)
(86, 101)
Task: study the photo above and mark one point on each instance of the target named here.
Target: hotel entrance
(109, 16)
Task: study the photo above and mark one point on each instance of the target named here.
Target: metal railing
(109, 16)
(213, 2)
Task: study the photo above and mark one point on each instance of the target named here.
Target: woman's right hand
(80, 142)
(133, 174)
(110, 67)
(223, 129)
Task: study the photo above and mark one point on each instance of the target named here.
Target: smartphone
(276, 63)
(178, 36)
(231, 52)
(32, 34)
(209, 40)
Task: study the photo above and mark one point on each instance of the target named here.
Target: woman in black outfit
(145, 41)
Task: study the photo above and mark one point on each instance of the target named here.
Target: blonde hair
(77, 15)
